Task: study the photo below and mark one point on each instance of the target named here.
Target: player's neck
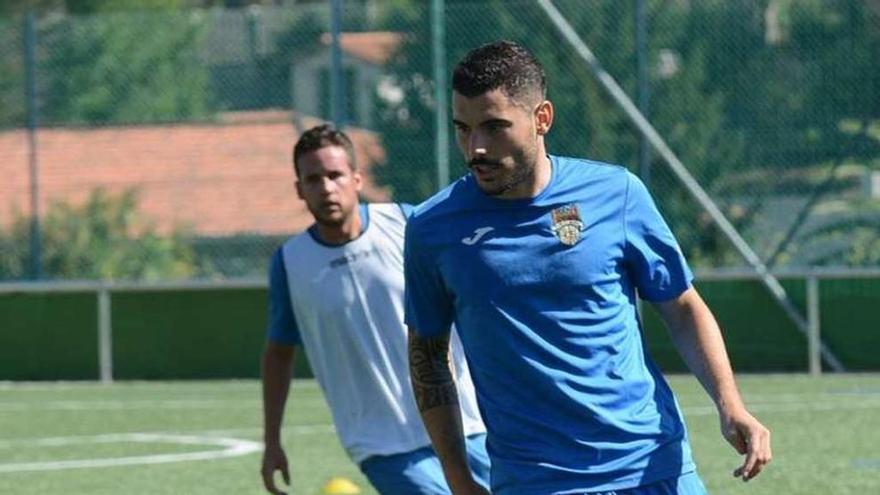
(535, 182)
(543, 173)
(338, 234)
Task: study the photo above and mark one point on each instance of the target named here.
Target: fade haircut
(319, 137)
(503, 65)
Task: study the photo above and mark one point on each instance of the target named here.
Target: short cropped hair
(319, 137)
(503, 65)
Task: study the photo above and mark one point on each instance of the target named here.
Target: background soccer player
(337, 290)
(539, 259)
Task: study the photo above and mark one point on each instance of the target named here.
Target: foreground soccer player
(337, 290)
(538, 259)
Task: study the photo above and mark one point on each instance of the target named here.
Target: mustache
(483, 161)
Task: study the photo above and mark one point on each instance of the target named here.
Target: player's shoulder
(300, 238)
(448, 200)
(591, 178)
(593, 184)
(583, 168)
(301, 245)
(391, 211)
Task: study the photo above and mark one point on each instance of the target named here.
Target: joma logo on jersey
(478, 234)
(567, 224)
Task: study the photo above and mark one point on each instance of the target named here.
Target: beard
(522, 171)
(332, 219)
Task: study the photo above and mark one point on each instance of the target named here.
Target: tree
(19, 7)
(124, 68)
(12, 79)
(799, 80)
(104, 238)
(587, 123)
(298, 40)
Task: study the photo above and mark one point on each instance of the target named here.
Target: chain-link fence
(156, 145)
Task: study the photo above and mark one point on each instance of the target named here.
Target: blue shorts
(419, 472)
(686, 484)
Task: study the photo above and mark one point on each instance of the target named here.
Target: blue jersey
(543, 294)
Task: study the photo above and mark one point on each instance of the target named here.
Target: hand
(274, 459)
(470, 487)
(750, 438)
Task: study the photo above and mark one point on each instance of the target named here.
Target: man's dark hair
(319, 137)
(503, 65)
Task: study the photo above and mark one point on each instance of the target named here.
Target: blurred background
(155, 143)
(145, 144)
(146, 179)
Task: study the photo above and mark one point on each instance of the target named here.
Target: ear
(299, 191)
(358, 180)
(544, 117)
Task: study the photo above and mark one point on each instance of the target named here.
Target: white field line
(790, 407)
(231, 447)
(122, 405)
(787, 402)
(297, 384)
(865, 463)
(236, 447)
(142, 404)
(311, 429)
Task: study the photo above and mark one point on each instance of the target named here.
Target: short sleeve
(282, 324)
(406, 209)
(429, 308)
(653, 256)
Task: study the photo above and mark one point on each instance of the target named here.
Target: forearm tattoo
(430, 372)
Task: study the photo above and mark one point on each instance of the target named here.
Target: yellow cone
(340, 486)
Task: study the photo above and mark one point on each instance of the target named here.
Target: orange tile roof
(218, 179)
(375, 47)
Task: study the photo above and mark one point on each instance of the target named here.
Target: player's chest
(539, 249)
(335, 279)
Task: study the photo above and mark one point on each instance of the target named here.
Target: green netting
(772, 105)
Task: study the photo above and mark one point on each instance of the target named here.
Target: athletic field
(203, 437)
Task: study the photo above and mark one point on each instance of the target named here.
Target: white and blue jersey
(344, 305)
(543, 294)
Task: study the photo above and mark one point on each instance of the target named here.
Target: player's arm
(277, 370)
(437, 399)
(697, 337)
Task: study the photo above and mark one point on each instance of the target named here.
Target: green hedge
(850, 321)
(191, 334)
(758, 334)
(49, 336)
(219, 333)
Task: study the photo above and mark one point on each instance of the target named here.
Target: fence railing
(105, 291)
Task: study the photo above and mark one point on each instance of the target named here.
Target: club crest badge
(567, 224)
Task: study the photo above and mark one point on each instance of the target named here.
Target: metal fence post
(30, 58)
(641, 26)
(813, 326)
(438, 44)
(684, 176)
(105, 335)
(337, 72)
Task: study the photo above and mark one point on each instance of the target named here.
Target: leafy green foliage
(124, 68)
(104, 238)
(12, 78)
(737, 87)
(586, 123)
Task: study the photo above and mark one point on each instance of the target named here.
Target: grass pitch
(203, 437)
